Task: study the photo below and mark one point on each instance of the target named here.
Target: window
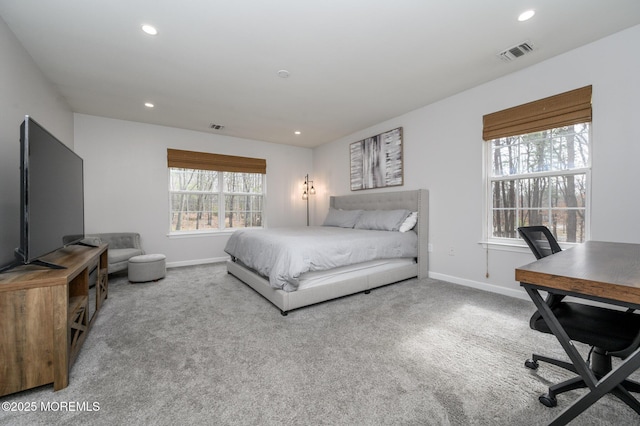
(206, 197)
(540, 178)
(538, 158)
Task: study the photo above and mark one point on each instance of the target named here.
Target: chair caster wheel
(531, 364)
(548, 400)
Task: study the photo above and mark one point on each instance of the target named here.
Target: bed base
(288, 301)
(415, 200)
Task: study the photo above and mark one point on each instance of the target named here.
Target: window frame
(488, 179)
(221, 193)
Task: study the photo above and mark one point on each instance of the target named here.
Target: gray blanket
(283, 254)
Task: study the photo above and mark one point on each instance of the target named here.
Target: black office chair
(542, 243)
(610, 333)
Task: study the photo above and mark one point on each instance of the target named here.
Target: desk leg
(604, 386)
(597, 388)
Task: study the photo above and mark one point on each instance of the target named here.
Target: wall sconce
(307, 189)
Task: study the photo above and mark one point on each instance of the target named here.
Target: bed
(318, 286)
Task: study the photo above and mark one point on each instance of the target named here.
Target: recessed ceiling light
(150, 29)
(149, 105)
(283, 73)
(525, 16)
(297, 132)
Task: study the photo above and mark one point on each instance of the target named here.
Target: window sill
(207, 233)
(515, 246)
(191, 234)
(519, 247)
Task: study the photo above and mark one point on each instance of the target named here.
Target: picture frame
(377, 161)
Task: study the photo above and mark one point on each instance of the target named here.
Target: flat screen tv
(51, 195)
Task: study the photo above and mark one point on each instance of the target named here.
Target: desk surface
(602, 270)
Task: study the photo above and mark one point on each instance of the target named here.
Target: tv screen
(51, 193)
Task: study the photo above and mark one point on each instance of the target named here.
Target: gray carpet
(199, 347)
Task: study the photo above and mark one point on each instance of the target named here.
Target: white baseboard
(197, 262)
(516, 293)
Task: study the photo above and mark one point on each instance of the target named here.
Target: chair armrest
(120, 240)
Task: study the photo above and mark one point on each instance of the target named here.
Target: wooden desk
(603, 271)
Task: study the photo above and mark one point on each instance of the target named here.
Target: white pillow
(409, 222)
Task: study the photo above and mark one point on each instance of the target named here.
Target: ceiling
(351, 63)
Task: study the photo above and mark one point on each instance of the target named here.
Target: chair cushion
(122, 254)
(604, 328)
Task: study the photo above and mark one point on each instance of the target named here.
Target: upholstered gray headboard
(414, 200)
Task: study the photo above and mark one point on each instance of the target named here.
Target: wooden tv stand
(45, 316)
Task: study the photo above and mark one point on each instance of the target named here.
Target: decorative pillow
(381, 220)
(342, 218)
(409, 222)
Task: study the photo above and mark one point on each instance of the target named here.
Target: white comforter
(283, 254)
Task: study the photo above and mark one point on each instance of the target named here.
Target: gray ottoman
(147, 267)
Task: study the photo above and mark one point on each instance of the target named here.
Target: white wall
(126, 176)
(23, 90)
(443, 153)
(126, 182)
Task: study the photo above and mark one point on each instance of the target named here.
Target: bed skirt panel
(287, 301)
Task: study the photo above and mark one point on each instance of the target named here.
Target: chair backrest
(542, 243)
(540, 240)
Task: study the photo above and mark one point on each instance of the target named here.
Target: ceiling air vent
(216, 126)
(516, 51)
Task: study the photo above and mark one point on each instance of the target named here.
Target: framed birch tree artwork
(376, 162)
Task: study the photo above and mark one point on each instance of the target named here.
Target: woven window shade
(221, 163)
(555, 111)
